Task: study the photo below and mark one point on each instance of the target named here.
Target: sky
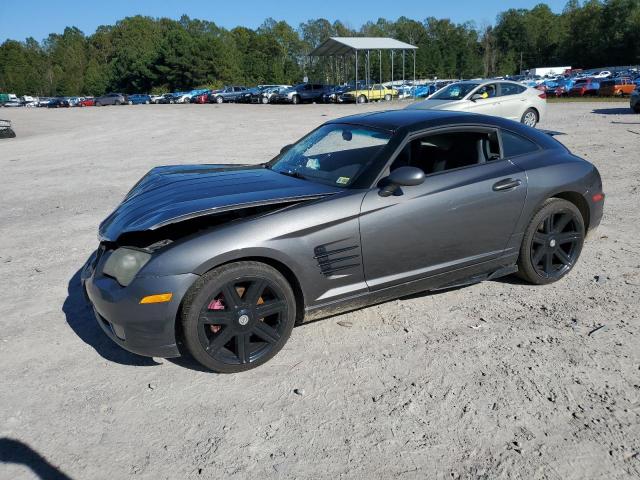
(20, 19)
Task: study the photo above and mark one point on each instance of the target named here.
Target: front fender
(308, 239)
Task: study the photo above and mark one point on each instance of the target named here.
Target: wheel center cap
(243, 319)
(552, 243)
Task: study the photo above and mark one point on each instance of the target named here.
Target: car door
(484, 100)
(513, 102)
(458, 218)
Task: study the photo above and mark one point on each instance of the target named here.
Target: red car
(202, 98)
(584, 86)
(87, 102)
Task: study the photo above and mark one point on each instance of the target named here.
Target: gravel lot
(497, 380)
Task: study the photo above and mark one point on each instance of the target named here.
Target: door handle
(507, 184)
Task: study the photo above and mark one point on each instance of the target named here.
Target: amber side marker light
(160, 298)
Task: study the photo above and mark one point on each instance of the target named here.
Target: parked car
(43, 101)
(138, 99)
(362, 210)
(227, 94)
(182, 97)
(167, 98)
(7, 97)
(59, 102)
(602, 74)
(111, 99)
(267, 94)
(584, 86)
(500, 98)
(333, 94)
(616, 87)
(245, 97)
(155, 98)
(5, 129)
(87, 102)
(302, 93)
(634, 102)
(202, 97)
(369, 94)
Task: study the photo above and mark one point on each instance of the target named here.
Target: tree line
(144, 54)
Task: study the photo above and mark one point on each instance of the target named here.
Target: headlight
(124, 264)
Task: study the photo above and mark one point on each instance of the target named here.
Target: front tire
(295, 99)
(552, 242)
(238, 316)
(387, 98)
(219, 100)
(530, 118)
(362, 99)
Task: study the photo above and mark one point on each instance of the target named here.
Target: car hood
(437, 104)
(172, 194)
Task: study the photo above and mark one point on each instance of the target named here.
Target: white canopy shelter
(341, 46)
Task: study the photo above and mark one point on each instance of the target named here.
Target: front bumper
(147, 330)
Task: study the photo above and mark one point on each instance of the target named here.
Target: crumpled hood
(171, 194)
(437, 104)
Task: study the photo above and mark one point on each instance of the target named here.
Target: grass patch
(587, 99)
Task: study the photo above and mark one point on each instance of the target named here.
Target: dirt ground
(497, 380)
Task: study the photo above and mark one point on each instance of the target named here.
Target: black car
(59, 102)
(302, 93)
(226, 259)
(334, 94)
(167, 98)
(246, 96)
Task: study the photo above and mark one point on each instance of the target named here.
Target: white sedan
(499, 98)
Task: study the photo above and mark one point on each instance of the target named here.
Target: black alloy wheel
(238, 316)
(552, 242)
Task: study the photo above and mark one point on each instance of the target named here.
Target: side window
(507, 89)
(514, 144)
(487, 91)
(448, 151)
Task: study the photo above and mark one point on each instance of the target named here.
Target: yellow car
(373, 92)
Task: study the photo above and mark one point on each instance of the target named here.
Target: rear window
(514, 144)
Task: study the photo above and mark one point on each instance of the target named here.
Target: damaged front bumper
(143, 329)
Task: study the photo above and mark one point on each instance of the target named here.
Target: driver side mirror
(402, 177)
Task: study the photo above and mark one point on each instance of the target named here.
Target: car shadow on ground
(614, 111)
(82, 321)
(14, 451)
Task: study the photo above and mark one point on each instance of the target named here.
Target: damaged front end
(177, 200)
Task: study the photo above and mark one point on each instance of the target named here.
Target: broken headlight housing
(125, 263)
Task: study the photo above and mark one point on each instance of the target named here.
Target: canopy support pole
(414, 74)
(356, 76)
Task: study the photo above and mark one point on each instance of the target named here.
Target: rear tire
(238, 316)
(219, 100)
(362, 99)
(295, 99)
(552, 242)
(530, 118)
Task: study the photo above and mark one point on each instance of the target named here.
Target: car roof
(408, 121)
(411, 119)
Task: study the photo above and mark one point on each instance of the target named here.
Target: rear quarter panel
(553, 172)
